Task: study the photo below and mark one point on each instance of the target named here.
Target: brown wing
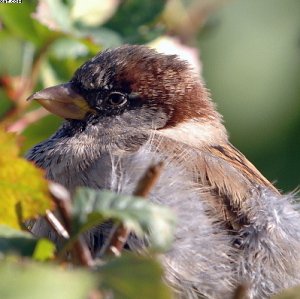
(234, 157)
(229, 179)
(226, 178)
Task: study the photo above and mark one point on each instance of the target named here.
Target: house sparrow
(131, 106)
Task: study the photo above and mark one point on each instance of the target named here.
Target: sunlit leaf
(24, 192)
(93, 12)
(44, 250)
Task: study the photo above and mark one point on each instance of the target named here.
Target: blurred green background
(251, 63)
(249, 53)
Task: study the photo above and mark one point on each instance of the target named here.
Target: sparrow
(130, 107)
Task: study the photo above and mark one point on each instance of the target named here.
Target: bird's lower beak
(63, 101)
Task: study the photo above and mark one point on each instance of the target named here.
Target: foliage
(49, 40)
(91, 207)
(25, 195)
(42, 43)
(23, 188)
(23, 184)
(32, 280)
(24, 244)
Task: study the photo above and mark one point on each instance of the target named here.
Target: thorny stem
(119, 234)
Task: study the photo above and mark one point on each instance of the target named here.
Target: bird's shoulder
(224, 175)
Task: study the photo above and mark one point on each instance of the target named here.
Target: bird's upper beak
(63, 101)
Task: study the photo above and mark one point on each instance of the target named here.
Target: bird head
(129, 89)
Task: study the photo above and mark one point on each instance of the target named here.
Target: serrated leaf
(24, 191)
(134, 277)
(93, 207)
(27, 280)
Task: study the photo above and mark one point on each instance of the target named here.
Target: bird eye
(117, 99)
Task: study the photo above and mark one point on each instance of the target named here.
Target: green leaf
(68, 47)
(93, 12)
(24, 244)
(11, 52)
(133, 17)
(26, 280)
(44, 250)
(104, 37)
(93, 207)
(54, 14)
(18, 20)
(15, 241)
(24, 191)
(134, 277)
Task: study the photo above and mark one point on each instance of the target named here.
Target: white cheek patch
(196, 132)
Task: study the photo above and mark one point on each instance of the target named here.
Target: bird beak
(62, 100)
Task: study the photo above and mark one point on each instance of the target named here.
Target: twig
(30, 117)
(119, 234)
(148, 181)
(63, 201)
(56, 225)
(27, 85)
(240, 292)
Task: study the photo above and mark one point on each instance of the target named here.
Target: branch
(63, 201)
(119, 234)
(56, 225)
(30, 117)
(147, 182)
(240, 292)
(26, 85)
